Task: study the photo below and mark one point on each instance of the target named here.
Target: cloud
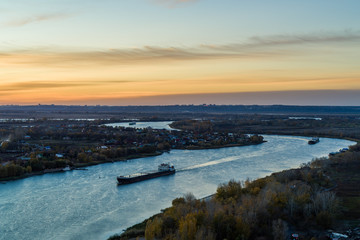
(178, 1)
(113, 56)
(47, 85)
(35, 85)
(173, 3)
(289, 40)
(254, 48)
(35, 19)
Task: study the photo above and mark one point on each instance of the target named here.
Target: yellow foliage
(153, 228)
(255, 191)
(303, 198)
(187, 227)
(243, 229)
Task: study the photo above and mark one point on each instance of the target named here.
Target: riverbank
(81, 166)
(218, 146)
(76, 166)
(323, 194)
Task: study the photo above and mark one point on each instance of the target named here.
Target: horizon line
(171, 105)
(341, 97)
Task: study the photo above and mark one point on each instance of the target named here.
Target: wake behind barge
(164, 169)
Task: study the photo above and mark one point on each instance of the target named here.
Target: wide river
(89, 204)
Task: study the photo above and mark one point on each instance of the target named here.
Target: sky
(159, 52)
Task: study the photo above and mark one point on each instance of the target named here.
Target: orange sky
(53, 77)
(41, 61)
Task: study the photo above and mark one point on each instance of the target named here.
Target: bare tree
(280, 229)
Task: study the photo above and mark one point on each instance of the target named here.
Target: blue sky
(137, 23)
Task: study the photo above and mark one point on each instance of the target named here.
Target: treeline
(20, 168)
(327, 126)
(262, 208)
(75, 156)
(19, 110)
(13, 170)
(291, 201)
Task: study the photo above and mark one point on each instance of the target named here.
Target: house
(25, 158)
(294, 236)
(337, 236)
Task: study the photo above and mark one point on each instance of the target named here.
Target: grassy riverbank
(76, 166)
(320, 195)
(81, 166)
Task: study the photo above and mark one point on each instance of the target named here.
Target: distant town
(30, 147)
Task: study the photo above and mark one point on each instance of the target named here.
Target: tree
(36, 165)
(187, 227)
(4, 146)
(153, 228)
(232, 189)
(3, 172)
(279, 229)
(29, 169)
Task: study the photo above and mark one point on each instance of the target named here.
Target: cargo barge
(314, 140)
(164, 169)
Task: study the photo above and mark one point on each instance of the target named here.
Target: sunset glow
(92, 52)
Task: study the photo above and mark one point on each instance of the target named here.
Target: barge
(314, 140)
(164, 169)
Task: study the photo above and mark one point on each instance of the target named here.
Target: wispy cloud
(34, 19)
(173, 3)
(288, 40)
(47, 85)
(253, 48)
(145, 55)
(35, 85)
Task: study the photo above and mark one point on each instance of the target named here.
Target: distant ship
(314, 140)
(132, 123)
(163, 170)
(67, 168)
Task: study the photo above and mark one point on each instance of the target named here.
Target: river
(89, 204)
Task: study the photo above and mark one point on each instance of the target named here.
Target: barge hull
(143, 177)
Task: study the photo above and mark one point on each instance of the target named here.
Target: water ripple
(89, 205)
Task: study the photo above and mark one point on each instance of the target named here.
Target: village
(51, 146)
